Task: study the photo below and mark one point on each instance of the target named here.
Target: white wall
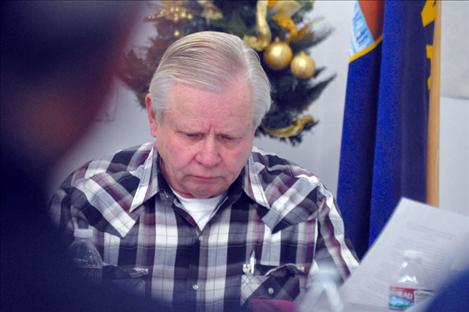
(454, 155)
(454, 107)
(320, 150)
(455, 49)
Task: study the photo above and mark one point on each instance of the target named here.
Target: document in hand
(438, 234)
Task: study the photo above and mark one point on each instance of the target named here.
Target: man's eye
(227, 138)
(193, 136)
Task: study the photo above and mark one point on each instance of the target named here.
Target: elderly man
(215, 221)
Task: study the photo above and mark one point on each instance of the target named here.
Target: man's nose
(209, 153)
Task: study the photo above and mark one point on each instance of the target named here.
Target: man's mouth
(205, 178)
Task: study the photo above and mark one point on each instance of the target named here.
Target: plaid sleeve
(66, 208)
(63, 213)
(331, 248)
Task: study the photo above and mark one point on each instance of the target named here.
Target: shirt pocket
(285, 282)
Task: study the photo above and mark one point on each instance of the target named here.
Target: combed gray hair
(210, 61)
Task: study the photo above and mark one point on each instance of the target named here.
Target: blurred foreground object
(57, 65)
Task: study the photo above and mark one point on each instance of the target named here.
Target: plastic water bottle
(409, 285)
(85, 256)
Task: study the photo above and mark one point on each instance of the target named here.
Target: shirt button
(195, 287)
(270, 290)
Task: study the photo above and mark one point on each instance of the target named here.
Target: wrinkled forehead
(232, 104)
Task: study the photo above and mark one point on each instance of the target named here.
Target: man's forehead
(184, 96)
(195, 110)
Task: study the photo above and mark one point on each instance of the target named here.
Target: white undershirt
(200, 209)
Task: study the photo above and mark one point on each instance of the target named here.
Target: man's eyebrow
(186, 128)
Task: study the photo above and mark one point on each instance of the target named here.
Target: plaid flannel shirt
(276, 226)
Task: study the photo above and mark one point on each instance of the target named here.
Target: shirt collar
(148, 175)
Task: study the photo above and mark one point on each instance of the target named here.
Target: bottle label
(421, 294)
(401, 298)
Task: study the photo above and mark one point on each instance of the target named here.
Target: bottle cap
(83, 233)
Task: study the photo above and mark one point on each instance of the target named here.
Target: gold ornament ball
(302, 66)
(278, 55)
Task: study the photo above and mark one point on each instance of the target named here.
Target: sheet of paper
(437, 233)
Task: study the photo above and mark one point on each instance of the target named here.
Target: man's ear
(151, 115)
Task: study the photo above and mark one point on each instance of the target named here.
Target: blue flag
(384, 138)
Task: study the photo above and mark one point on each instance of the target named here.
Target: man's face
(205, 138)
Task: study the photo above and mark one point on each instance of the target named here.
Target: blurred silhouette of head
(57, 65)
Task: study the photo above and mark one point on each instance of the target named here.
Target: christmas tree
(279, 31)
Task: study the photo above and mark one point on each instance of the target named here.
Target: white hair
(210, 61)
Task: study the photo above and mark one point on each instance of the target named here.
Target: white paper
(438, 234)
